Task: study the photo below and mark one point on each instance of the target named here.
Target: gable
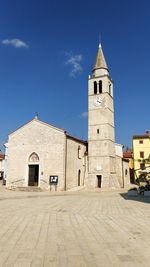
(35, 121)
(36, 132)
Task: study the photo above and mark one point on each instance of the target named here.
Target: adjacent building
(128, 155)
(141, 153)
(2, 160)
(122, 167)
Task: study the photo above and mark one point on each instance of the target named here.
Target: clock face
(98, 101)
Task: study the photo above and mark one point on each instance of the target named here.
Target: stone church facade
(38, 152)
(41, 155)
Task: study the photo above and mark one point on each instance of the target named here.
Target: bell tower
(101, 132)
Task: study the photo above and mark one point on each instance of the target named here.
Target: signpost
(53, 181)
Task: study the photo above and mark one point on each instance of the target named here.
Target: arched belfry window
(33, 157)
(110, 89)
(100, 86)
(95, 87)
(79, 177)
(79, 152)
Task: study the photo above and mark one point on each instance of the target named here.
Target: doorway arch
(33, 157)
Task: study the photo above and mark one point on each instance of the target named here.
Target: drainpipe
(65, 162)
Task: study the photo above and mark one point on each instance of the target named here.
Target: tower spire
(100, 62)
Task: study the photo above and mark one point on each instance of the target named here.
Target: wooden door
(99, 181)
(33, 175)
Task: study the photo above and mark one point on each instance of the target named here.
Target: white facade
(2, 162)
(119, 150)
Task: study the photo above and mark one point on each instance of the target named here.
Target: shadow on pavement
(139, 198)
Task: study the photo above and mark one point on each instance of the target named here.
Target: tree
(144, 171)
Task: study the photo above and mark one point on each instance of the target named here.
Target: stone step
(77, 188)
(27, 189)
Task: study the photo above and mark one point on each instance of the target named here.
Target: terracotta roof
(128, 154)
(2, 156)
(76, 139)
(141, 136)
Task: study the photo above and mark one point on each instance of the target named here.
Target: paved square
(74, 229)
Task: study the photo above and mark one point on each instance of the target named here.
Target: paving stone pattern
(84, 229)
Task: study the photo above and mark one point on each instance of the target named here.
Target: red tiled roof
(127, 154)
(142, 136)
(2, 156)
(76, 138)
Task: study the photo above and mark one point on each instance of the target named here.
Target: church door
(33, 175)
(99, 181)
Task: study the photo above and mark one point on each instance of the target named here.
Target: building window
(141, 154)
(97, 131)
(142, 166)
(126, 171)
(79, 177)
(95, 87)
(100, 86)
(140, 141)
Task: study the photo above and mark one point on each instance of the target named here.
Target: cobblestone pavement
(74, 229)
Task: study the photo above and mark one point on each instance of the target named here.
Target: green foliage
(147, 161)
(143, 178)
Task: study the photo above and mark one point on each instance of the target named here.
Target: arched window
(100, 86)
(79, 152)
(99, 181)
(95, 87)
(33, 157)
(110, 89)
(79, 177)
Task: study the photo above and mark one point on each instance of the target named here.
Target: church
(40, 155)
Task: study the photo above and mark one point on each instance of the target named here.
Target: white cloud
(74, 61)
(17, 43)
(84, 114)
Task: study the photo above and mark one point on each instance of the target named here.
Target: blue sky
(47, 50)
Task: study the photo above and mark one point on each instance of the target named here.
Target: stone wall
(119, 171)
(122, 172)
(76, 163)
(126, 172)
